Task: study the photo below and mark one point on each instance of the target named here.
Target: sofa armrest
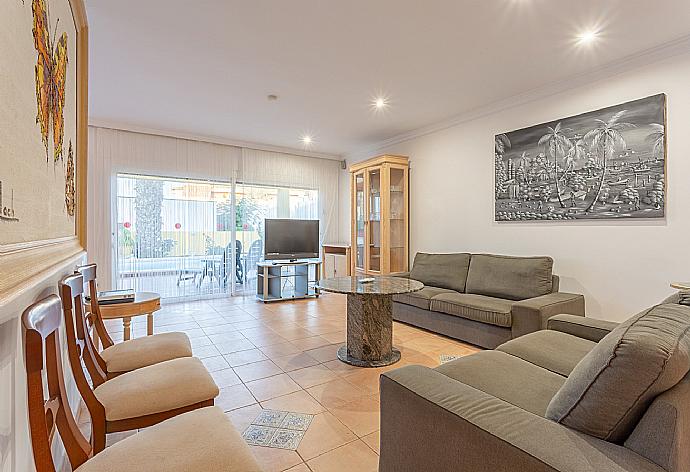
(400, 274)
(532, 314)
(432, 422)
(585, 328)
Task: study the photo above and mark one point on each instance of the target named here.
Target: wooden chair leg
(97, 435)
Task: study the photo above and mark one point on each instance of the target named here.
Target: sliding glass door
(173, 236)
(188, 239)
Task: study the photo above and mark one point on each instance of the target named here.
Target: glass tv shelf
(287, 280)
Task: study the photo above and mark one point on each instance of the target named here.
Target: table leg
(369, 331)
(127, 325)
(149, 324)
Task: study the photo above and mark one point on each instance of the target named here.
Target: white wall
(620, 267)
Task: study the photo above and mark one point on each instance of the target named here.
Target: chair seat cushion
(201, 440)
(145, 351)
(507, 377)
(610, 389)
(489, 310)
(422, 298)
(157, 388)
(552, 350)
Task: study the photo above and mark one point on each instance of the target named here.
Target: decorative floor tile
(297, 421)
(270, 418)
(258, 435)
(286, 439)
(443, 358)
(277, 429)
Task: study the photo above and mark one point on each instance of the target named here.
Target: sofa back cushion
(610, 389)
(514, 278)
(441, 270)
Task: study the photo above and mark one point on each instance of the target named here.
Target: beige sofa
(582, 396)
(484, 299)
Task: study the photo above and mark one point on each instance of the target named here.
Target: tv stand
(287, 280)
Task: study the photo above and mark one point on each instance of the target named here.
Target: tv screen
(291, 239)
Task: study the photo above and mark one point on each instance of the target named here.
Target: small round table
(145, 303)
(369, 317)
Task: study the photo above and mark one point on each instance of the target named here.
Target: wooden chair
(170, 446)
(132, 400)
(126, 356)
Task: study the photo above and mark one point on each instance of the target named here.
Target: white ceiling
(205, 67)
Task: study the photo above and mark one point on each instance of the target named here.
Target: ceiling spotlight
(272, 97)
(379, 103)
(587, 37)
(307, 140)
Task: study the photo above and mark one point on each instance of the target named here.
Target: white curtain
(113, 152)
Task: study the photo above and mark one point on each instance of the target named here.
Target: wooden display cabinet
(379, 192)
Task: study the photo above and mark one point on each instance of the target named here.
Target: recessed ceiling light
(307, 140)
(587, 37)
(379, 103)
(272, 97)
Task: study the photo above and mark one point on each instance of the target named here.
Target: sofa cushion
(494, 311)
(551, 350)
(609, 390)
(441, 270)
(515, 278)
(422, 298)
(506, 377)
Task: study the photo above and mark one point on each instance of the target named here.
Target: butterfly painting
(51, 78)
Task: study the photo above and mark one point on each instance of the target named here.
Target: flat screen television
(291, 239)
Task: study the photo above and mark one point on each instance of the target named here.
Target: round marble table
(369, 317)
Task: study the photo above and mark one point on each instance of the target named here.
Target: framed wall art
(43, 136)
(603, 164)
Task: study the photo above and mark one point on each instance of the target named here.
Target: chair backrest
(93, 315)
(80, 348)
(40, 327)
(254, 254)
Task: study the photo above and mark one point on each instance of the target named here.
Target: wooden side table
(145, 303)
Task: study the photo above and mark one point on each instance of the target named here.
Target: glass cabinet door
(374, 220)
(360, 229)
(397, 225)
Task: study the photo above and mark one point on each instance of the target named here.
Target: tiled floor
(282, 356)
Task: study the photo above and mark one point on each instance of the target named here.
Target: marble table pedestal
(369, 317)
(369, 331)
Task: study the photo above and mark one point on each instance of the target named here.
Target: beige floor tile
(205, 351)
(211, 322)
(366, 379)
(311, 342)
(335, 337)
(201, 341)
(234, 397)
(353, 456)
(295, 361)
(268, 340)
(257, 370)
(312, 376)
(281, 350)
(271, 387)
(341, 368)
(336, 393)
(299, 468)
(228, 347)
(275, 460)
(361, 416)
(325, 353)
(241, 418)
(222, 327)
(249, 356)
(215, 363)
(225, 337)
(225, 378)
(373, 440)
(299, 402)
(325, 433)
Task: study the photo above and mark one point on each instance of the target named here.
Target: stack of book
(112, 297)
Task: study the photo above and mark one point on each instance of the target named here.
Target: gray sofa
(483, 299)
(581, 396)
